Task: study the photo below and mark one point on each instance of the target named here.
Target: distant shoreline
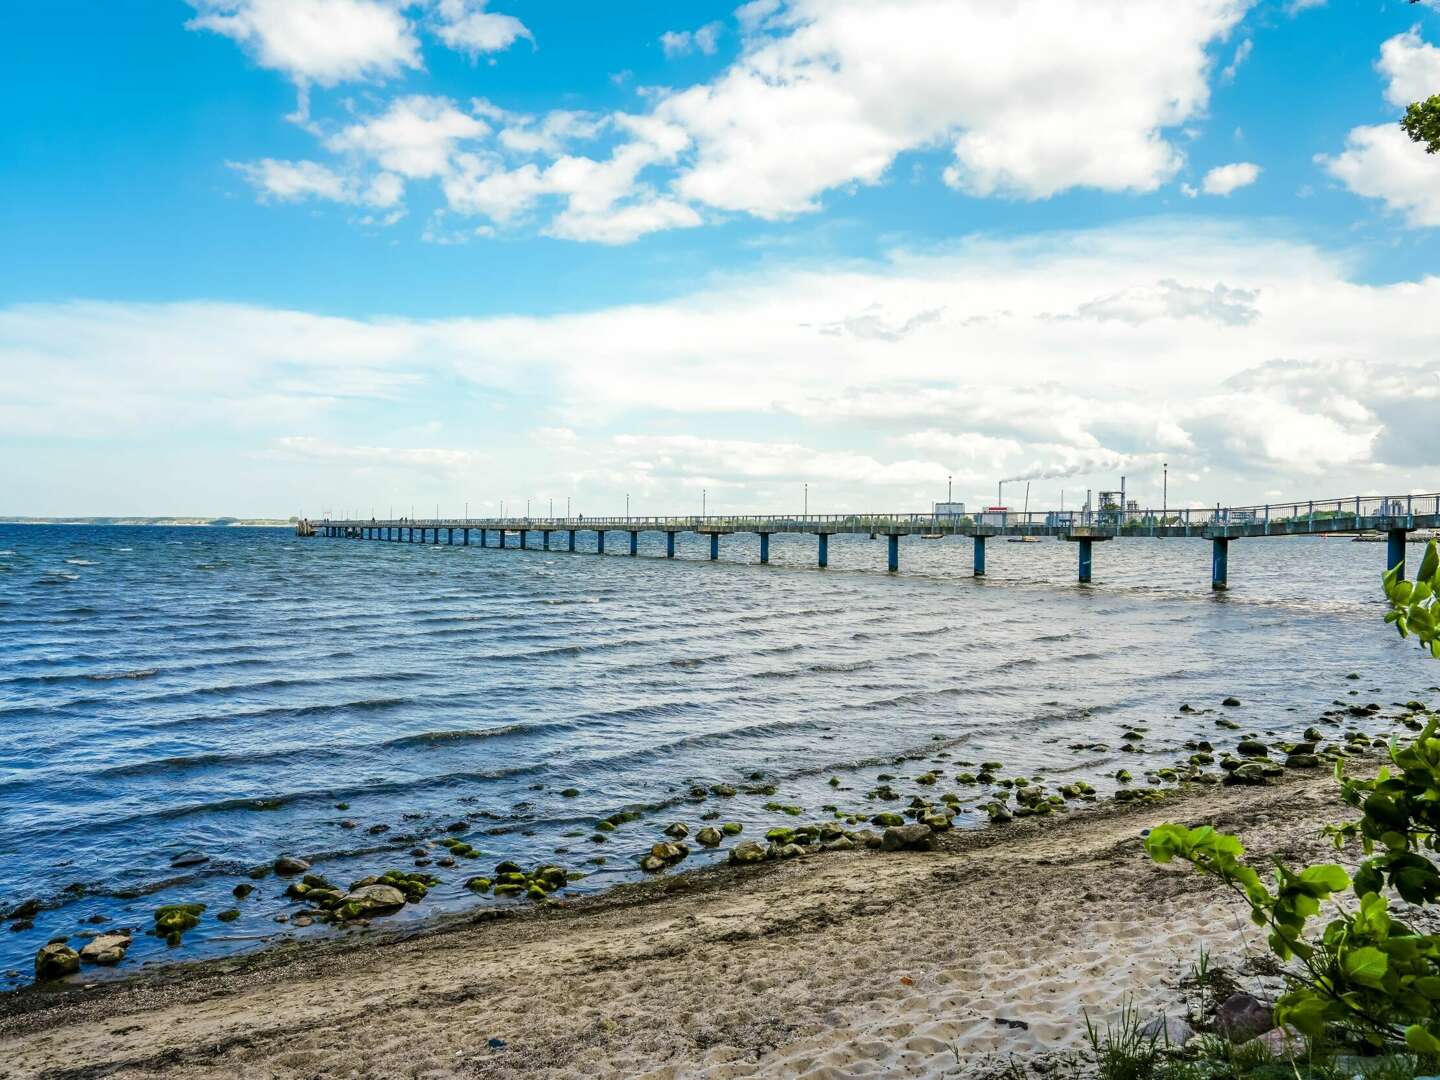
(192, 522)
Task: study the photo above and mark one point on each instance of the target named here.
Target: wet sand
(834, 965)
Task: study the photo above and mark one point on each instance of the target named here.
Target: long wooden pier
(1394, 516)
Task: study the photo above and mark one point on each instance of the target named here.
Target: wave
(79, 562)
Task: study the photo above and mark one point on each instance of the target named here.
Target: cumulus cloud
(1173, 300)
(467, 27)
(1380, 161)
(316, 41)
(1027, 100)
(414, 137)
(1223, 179)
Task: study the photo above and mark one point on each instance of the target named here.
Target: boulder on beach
(908, 838)
(1242, 1016)
(289, 865)
(105, 949)
(709, 836)
(371, 900)
(55, 961)
(748, 851)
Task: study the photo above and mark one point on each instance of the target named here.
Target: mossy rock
(887, 820)
(228, 915)
(570, 793)
(678, 830)
(55, 961)
(732, 828)
(509, 890)
(478, 884)
(241, 891)
(725, 791)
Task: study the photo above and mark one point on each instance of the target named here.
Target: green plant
(1422, 123)
(1123, 1051)
(1415, 606)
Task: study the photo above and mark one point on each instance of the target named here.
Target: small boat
(932, 536)
(1022, 539)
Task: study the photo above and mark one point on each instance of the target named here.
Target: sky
(283, 257)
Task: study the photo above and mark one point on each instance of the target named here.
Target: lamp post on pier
(807, 500)
(1164, 490)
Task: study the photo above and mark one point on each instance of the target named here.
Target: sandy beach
(939, 963)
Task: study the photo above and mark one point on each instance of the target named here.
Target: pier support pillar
(436, 538)
(572, 539)
(1086, 559)
(544, 539)
(1219, 563)
(893, 553)
(714, 546)
(450, 537)
(764, 547)
(599, 541)
(824, 550)
(465, 539)
(1395, 550)
(669, 545)
(634, 542)
(979, 556)
(524, 538)
(502, 539)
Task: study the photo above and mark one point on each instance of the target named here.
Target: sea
(180, 706)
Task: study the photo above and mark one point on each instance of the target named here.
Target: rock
(1284, 1043)
(105, 949)
(908, 838)
(732, 828)
(1251, 748)
(189, 858)
(709, 836)
(887, 820)
(228, 915)
(371, 900)
(1302, 761)
(1231, 702)
(1241, 1017)
(570, 793)
(1252, 772)
(28, 910)
(290, 866)
(240, 892)
(748, 851)
(790, 851)
(1167, 1030)
(678, 829)
(55, 961)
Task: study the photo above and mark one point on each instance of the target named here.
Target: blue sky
(279, 256)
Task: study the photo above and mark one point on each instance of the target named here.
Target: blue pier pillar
(524, 538)
(1395, 550)
(436, 531)
(764, 547)
(824, 550)
(572, 539)
(1086, 559)
(893, 559)
(466, 538)
(669, 545)
(450, 537)
(502, 539)
(1219, 563)
(634, 542)
(600, 542)
(714, 546)
(979, 556)
(544, 539)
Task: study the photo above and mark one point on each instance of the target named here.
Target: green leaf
(1430, 563)
(1421, 1041)
(1326, 876)
(1366, 966)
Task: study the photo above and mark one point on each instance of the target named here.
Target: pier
(1393, 517)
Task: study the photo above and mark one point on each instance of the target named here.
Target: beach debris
(107, 949)
(289, 866)
(908, 838)
(55, 961)
(1243, 1016)
(748, 851)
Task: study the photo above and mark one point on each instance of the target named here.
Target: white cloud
(1223, 179)
(414, 137)
(704, 40)
(295, 181)
(1289, 375)
(1242, 53)
(465, 26)
(1031, 99)
(1411, 66)
(1380, 162)
(1295, 7)
(319, 41)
